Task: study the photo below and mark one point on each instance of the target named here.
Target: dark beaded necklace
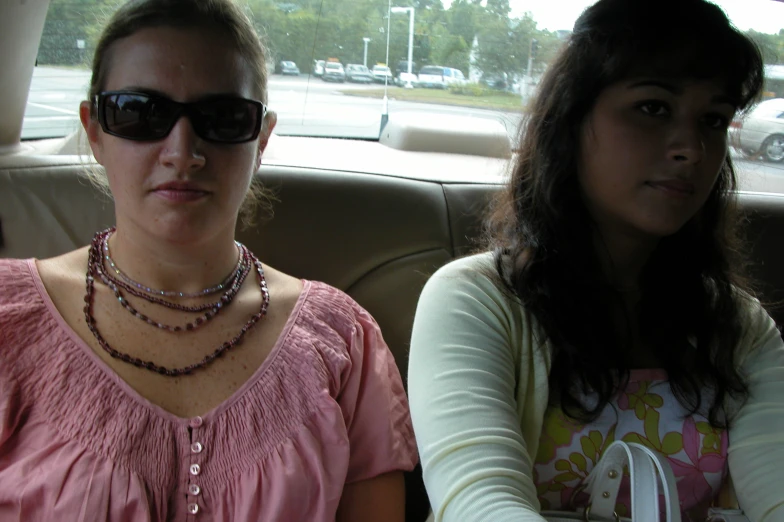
(244, 268)
(129, 283)
(93, 270)
(212, 308)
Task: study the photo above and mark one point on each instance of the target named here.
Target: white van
(438, 77)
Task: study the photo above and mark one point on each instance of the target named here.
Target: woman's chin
(662, 229)
(184, 231)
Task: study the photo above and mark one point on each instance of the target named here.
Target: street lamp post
(366, 40)
(528, 78)
(410, 40)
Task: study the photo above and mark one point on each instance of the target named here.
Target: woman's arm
(378, 425)
(463, 395)
(756, 450)
(380, 499)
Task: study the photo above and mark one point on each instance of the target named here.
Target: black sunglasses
(148, 117)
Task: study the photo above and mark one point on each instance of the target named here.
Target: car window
(501, 47)
(770, 108)
(432, 70)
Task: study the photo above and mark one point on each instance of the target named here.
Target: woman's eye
(653, 108)
(717, 121)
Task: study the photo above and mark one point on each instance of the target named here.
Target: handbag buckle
(587, 514)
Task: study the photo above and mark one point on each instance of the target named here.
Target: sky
(766, 16)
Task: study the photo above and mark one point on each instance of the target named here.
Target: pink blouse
(326, 408)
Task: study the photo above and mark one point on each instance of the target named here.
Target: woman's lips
(181, 195)
(673, 187)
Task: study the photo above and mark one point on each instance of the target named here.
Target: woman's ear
(270, 120)
(91, 128)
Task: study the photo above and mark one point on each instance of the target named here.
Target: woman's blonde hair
(223, 15)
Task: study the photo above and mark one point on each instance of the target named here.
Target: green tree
(462, 18)
(499, 8)
(549, 46)
(495, 42)
(450, 50)
(70, 30)
(771, 45)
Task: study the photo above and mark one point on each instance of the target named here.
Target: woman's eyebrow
(145, 90)
(676, 89)
(726, 99)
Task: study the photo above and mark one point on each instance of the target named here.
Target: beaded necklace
(95, 270)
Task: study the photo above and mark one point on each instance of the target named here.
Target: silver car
(761, 133)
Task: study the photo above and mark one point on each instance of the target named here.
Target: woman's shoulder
(15, 276)
(760, 331)
(470, 279)
(320, 310)
(19, 289)
(476, 266)
(26, 295)
(329, 307)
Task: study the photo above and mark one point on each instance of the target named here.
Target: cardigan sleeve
(464, 400)
(756, 449)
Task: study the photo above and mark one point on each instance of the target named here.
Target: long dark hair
(543, 237)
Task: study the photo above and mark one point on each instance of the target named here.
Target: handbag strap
(646, 468)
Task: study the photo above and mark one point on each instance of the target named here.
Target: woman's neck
(623, 256)
(166, 265)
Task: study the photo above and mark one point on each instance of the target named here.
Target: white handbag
(648, 470)
(726, 515)
(649, 473)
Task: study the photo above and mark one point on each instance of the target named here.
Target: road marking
(49, 118)
(54, 96)
(55, 109)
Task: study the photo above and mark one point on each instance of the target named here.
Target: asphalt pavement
(307, 106)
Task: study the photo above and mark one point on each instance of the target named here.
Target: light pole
(366, 40)
(528, 78)
(410, 40)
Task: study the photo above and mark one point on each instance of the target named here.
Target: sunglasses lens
(138, 116)
(226, 121)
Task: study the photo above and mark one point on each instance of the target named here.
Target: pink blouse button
(196, 422)
(194, 489)
(193, 508)
(196, 447)
(195, 469)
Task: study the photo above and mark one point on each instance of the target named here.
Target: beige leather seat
(376, 237)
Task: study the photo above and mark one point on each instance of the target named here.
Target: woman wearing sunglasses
(164, 372)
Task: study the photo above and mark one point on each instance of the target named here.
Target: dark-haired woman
(609, 302)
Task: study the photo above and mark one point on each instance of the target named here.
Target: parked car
(334, 72)
(289, 68)
(403, 78)
(438, 77)
(358, 73)
(402, 67)
(381, 73)
(761, 133)
(318, 67)
(499, 82)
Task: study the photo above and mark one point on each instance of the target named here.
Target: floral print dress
(646, 412)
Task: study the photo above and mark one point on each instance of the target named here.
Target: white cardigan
(478, 392)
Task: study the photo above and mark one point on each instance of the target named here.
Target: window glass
(498, 50)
